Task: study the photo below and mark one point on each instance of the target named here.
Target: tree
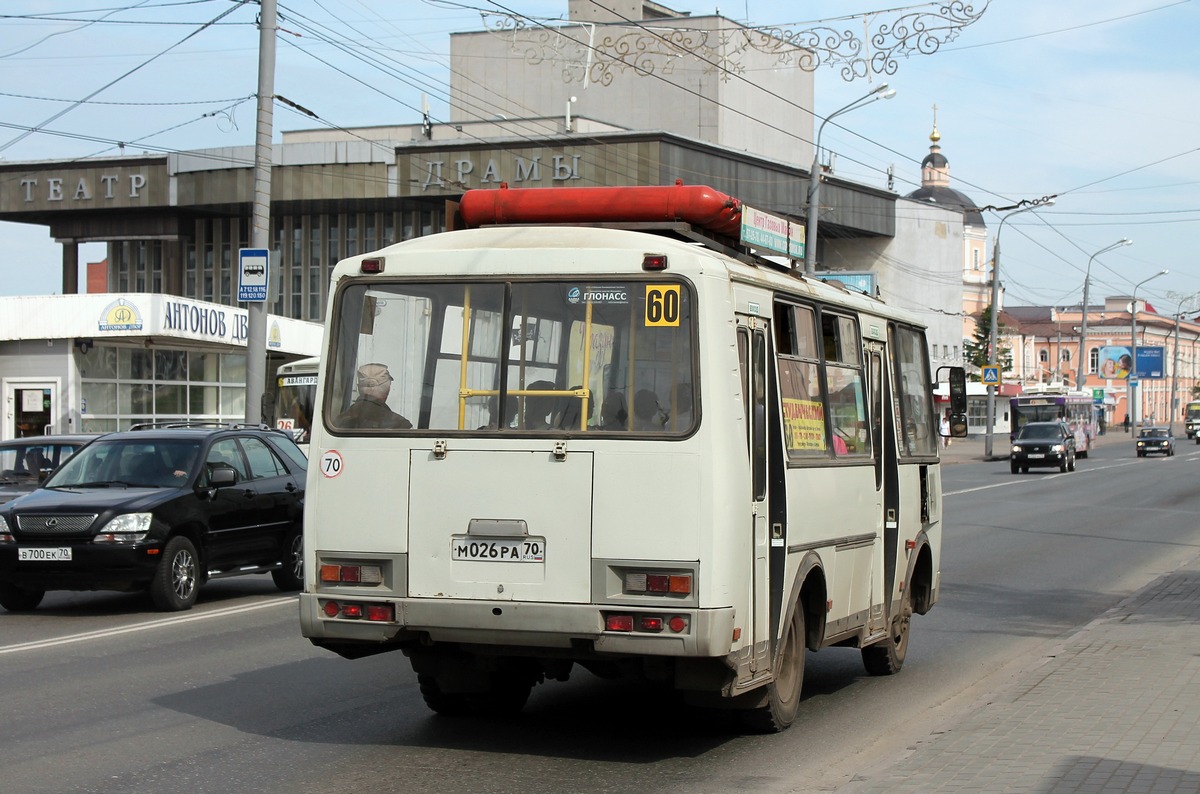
(975, 350)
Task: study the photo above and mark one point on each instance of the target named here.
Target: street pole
(260, 237)
(1175, 365)
(1082, 369)
(812, 205)
(1134, 404)
(993, 349)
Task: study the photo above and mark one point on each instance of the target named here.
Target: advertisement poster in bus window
(804, 425)
(599, 361)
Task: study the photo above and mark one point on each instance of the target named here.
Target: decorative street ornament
(869, 43)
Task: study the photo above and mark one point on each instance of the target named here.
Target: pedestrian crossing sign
(991, 375)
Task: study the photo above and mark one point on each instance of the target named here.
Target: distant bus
(1191, 418)
(294, 400)
(1048, 403)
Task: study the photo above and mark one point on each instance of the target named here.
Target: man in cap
(371, 408)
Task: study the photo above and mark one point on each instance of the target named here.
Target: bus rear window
(562, 357)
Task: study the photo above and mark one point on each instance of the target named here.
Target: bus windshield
(564, 356)
(296, 398)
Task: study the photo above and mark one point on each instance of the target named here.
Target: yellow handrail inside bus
(462, 367)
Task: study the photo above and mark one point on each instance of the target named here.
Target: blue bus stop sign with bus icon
(253, 267)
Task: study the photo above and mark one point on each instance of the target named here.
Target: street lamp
(993, 348)
(1134, 405)
(1175, 365)
(1083, 327)
(812, 205)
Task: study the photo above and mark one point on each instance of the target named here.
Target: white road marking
(153, 624)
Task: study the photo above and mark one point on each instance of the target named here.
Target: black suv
(1043, 444)
(159, 507)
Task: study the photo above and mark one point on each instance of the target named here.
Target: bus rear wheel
(783, 694)
(506, 694)
(887, 657)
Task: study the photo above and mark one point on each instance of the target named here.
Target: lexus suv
(160, 508)
(1043, 444)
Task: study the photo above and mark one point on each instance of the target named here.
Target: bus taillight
(650, 624)
(658, 583)
(351, 574)
(618, 623)
(380, 613)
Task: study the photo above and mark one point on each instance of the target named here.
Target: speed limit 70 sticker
(332, 463)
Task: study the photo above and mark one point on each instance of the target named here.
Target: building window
(1043, 355)
(122, 386)
(1094, 359)
(976, 259)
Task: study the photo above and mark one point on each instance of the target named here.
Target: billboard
(1116, 361)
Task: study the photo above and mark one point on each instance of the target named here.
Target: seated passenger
(568, 417)
(613, 414)
(647, 414)
(370, 409)
(539, 408)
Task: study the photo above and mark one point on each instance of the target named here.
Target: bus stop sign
(253, 264)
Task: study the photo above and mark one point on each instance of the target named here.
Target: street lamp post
(1135, 404)
(993, 348)
(1175, 366)
(812, 206)
(1080, 374)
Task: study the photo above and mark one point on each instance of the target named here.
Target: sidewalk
(1114, 708)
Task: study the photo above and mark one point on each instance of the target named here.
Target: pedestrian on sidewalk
(944, 430)
(1125, 423)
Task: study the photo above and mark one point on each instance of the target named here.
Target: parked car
(26, 462)
(1155, 441)
(1043, 444)
(162, 509)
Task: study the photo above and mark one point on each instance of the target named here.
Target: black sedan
(1155, 441)
(1043, 444)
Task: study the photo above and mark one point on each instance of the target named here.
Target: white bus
(296, 397)
(626, 452)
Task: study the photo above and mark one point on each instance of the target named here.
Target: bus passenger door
(752, 354)
(883, 443)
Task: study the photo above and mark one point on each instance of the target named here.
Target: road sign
(991, 375)
(253, 266)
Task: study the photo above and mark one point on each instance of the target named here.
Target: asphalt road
(100, 694)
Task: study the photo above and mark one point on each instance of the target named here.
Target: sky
(1092, 101)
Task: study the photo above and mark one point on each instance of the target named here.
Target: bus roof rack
(693, 213)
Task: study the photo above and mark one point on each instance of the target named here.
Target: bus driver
(371, 408)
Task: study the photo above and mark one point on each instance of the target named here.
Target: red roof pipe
(696, 204)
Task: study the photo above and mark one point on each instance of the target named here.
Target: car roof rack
(199, 424)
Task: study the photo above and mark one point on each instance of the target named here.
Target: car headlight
(1016, 448)
(1059, 448)
(5, 532)
(127, 528)
(1141, 443)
